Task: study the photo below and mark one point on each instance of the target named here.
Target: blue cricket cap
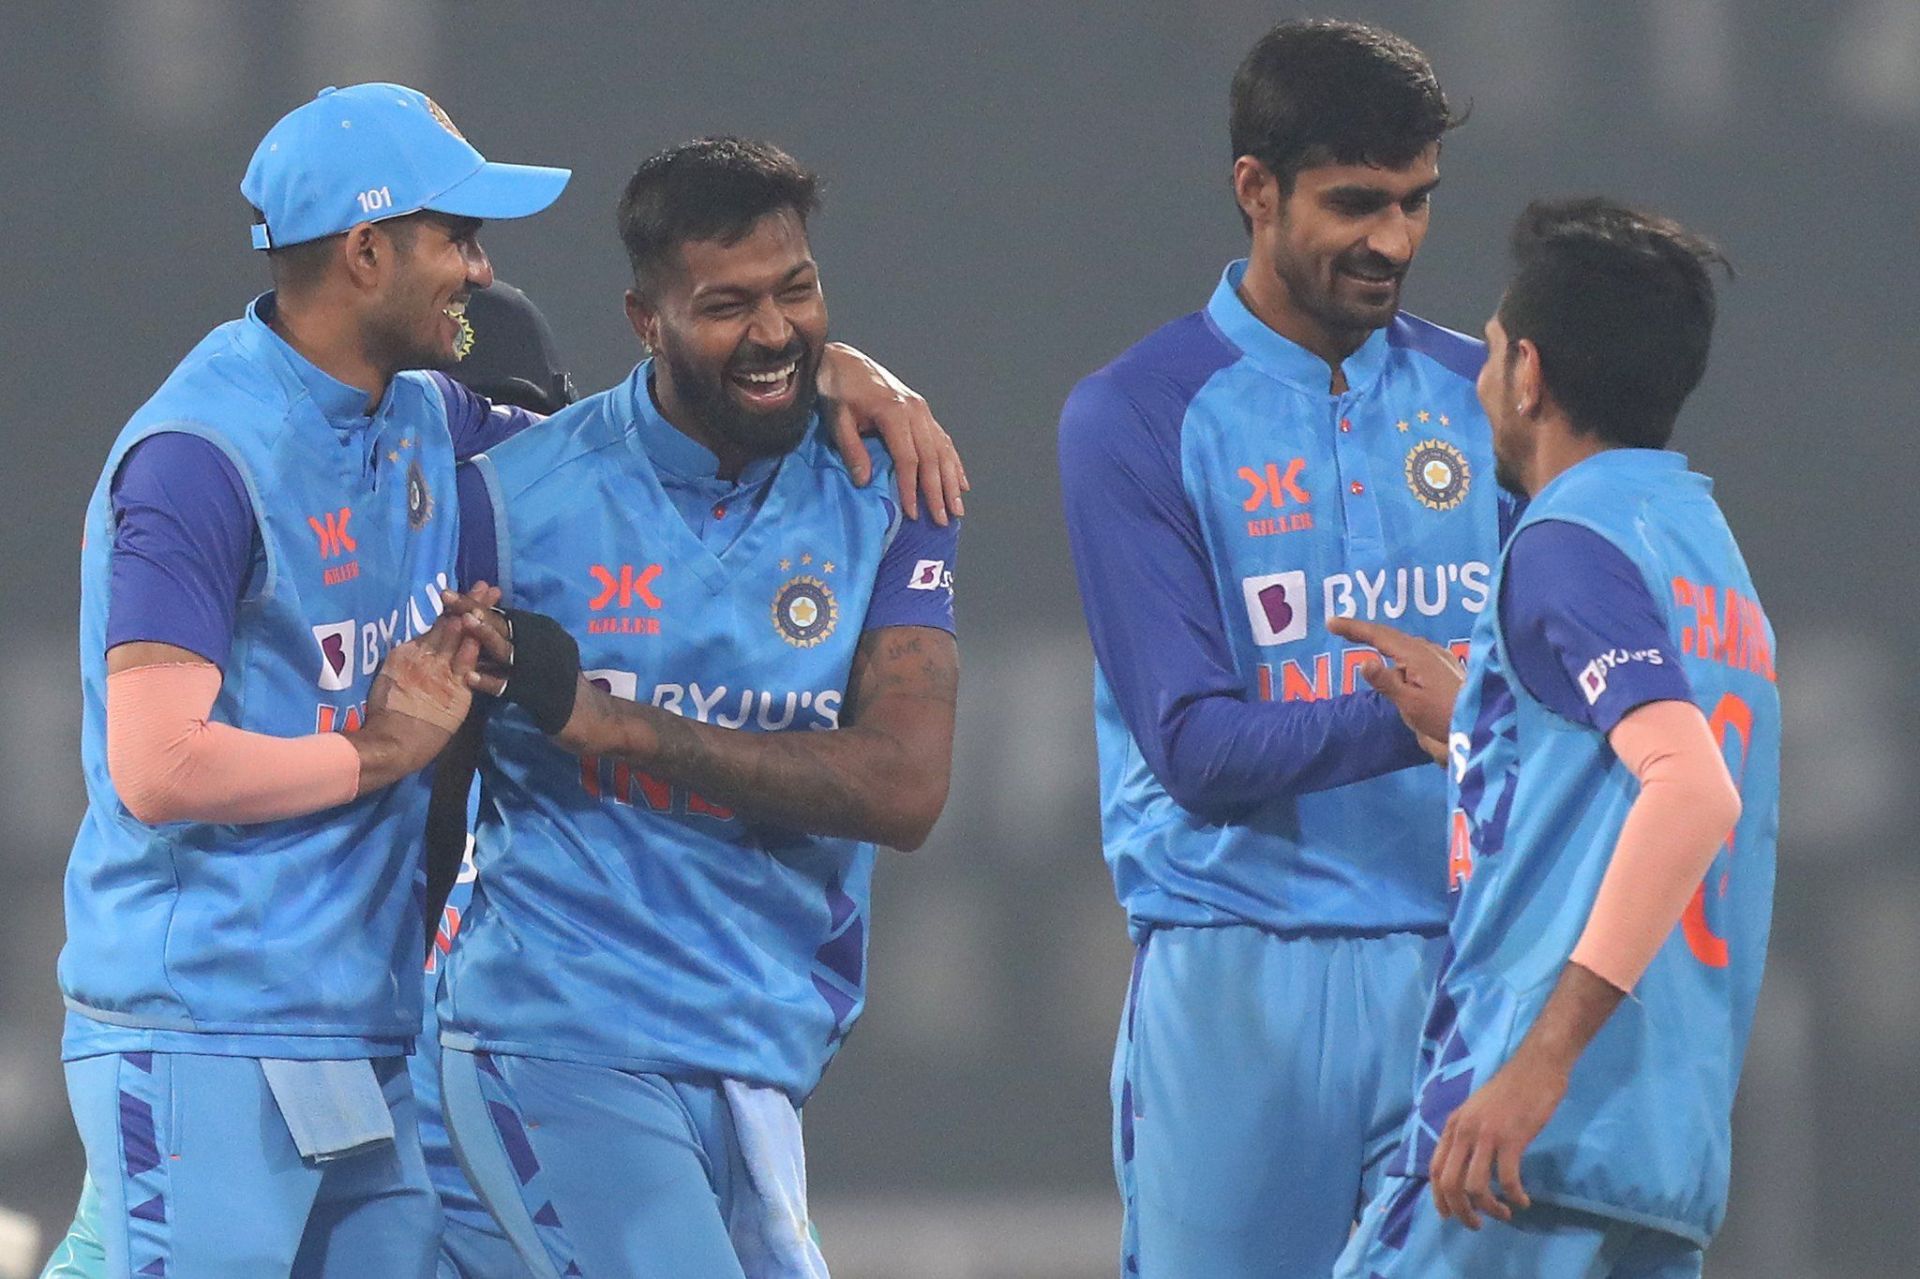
(377, 151)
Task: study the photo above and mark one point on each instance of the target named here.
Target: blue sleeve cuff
(1585, 635)
(914, 586)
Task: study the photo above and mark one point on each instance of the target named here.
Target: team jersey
(186, 546)
(1222, 505)
(1538, 801)
(620, 919)
(294, 938)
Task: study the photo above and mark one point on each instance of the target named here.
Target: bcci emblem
(1438, 474)
(804, 611)
(446, 122)
(419, 498)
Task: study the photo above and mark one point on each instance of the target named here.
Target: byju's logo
(1593, 677)
(336, 654)
(930, 575)
(1276, 606)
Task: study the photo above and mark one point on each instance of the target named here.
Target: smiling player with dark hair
(1614, 759)
(1300, 450)
(667, 943)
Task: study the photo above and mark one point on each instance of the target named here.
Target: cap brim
(495, 191)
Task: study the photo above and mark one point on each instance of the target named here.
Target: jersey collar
(1619, 461)
(1280, 356)
(675, 453)
(345, 407)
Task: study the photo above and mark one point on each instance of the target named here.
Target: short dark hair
(1321, 91)
(1620, 305)
(707, 189)
(297, 267)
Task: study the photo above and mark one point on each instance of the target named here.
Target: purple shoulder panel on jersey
(478, 559)
(477, 423)
(183, 544)
(914, 585)
(1584, 634)
(1456, 352)
(1147, 587)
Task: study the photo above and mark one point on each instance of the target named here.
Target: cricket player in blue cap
(264, 677)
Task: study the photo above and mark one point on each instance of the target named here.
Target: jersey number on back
(1732, 719)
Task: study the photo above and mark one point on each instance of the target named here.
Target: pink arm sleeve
(169, 763)
(1686, 808)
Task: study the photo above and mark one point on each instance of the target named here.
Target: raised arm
(864, 398)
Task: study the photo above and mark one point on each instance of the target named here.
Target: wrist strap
(545, 675)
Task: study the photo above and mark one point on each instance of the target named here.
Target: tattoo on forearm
(850, 781)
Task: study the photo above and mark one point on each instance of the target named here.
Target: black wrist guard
(545, 676)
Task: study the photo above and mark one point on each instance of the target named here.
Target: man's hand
(1422, 683)
(863, 398)
(526, 658)
(418, 700)
(1487, 1137)
(1490, 1133)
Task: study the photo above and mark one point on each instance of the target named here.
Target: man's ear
(365, 251)
(1256, 190)
(644, 318)
(1529, 379)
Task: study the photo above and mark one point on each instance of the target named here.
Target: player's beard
(1507, 475)
(409, 335)
(1315, 288)
(756, 433)
(1512, 450)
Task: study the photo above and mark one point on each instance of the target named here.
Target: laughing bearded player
(668, 937)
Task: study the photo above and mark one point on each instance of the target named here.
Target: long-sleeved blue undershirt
(1222, 504)
(1148, 588)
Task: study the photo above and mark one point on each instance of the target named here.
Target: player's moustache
(751, 357)
(1370, 266)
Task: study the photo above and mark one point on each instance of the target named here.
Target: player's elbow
(1190, 755)
(1200, 793)
(1194, 779)
(915, 810)
(911, 803)
(150, 796)
(1722, 805)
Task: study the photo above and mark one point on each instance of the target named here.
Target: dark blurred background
(1017, 191)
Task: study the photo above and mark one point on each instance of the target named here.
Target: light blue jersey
(1223, 506)
(620, 920)
(296, 938)
(1644, 1133)
(1264, 812)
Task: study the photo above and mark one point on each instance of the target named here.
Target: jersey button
(1358, 487)
(720, 510)
(1346, 424)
